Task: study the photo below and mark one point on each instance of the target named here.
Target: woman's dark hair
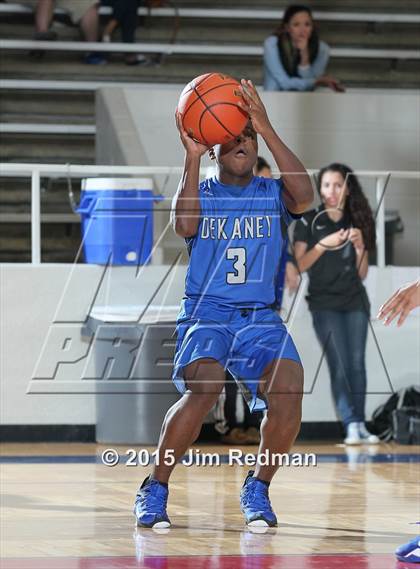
(289, 55)
(261, 163)
(357, 208)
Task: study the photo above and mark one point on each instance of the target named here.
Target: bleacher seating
(374, 45)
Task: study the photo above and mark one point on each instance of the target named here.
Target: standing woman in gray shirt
(294, 57)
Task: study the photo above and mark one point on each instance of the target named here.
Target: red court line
(335, 561)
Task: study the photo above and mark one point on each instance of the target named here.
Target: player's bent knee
(205, 376)
(205, 394)
(202, 391)
(204, 400)
(286, 386)
(286, 379)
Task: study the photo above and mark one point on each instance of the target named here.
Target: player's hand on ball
(255, 108)
(192, 147)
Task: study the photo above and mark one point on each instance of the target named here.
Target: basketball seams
(225, 103)
(200, 91)
(205, 93)
(191, 86)
(208, 109)
(184, 114)
(213, 115)
(203, 80)
(199, 127)
(218, 87)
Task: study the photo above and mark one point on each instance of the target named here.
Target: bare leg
(205, 379)
(282, 385)
(110, 28)
(89, 24)
(43, 15)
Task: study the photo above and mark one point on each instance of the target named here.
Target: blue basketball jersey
(236, 253)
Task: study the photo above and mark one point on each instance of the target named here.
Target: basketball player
(400, 304)
(232, 227)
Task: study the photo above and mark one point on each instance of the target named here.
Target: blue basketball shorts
(243, 341)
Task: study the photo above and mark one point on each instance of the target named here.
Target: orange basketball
(209, 109)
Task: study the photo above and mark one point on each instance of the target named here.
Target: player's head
(339, 188)
(263, 168)
(239, 156)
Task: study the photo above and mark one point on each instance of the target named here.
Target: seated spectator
(294, 57)
(84, 13)
(124, 16)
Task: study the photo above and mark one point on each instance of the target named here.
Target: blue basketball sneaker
(150, 504)
(409, 552)
(255, 503)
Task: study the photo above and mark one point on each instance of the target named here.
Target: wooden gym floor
(62, 508)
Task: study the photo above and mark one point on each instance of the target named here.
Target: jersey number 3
(238, 254)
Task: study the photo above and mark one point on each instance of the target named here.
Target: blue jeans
(342, 336)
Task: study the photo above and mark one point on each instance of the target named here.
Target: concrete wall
(366, 130)
(36, 301)
(136, 126)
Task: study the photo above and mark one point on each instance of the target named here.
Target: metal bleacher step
(15, 200)
(75, 107)
(47, 147)
(231, 31)
(191, 49)
(342, 5)
(186, 9)
(60, 243)
(45, 218)
(46, 128)
(364, 72)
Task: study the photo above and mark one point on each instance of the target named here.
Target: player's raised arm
(185, 211)
(298, 195)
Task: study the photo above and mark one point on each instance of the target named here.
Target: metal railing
(167, 48)
(237, 13)
(36, 171)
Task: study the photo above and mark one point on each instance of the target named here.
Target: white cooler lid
(91, 184)
(154, 313)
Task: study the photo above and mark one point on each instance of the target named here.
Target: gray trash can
(393, 225)
(133, 363)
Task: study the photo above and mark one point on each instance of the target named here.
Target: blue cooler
(117, 220)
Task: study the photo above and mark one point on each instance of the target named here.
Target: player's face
(238, 157)
(333, 190)
(300, 29)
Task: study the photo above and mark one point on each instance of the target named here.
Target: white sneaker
(367, 437)
(353, 435)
